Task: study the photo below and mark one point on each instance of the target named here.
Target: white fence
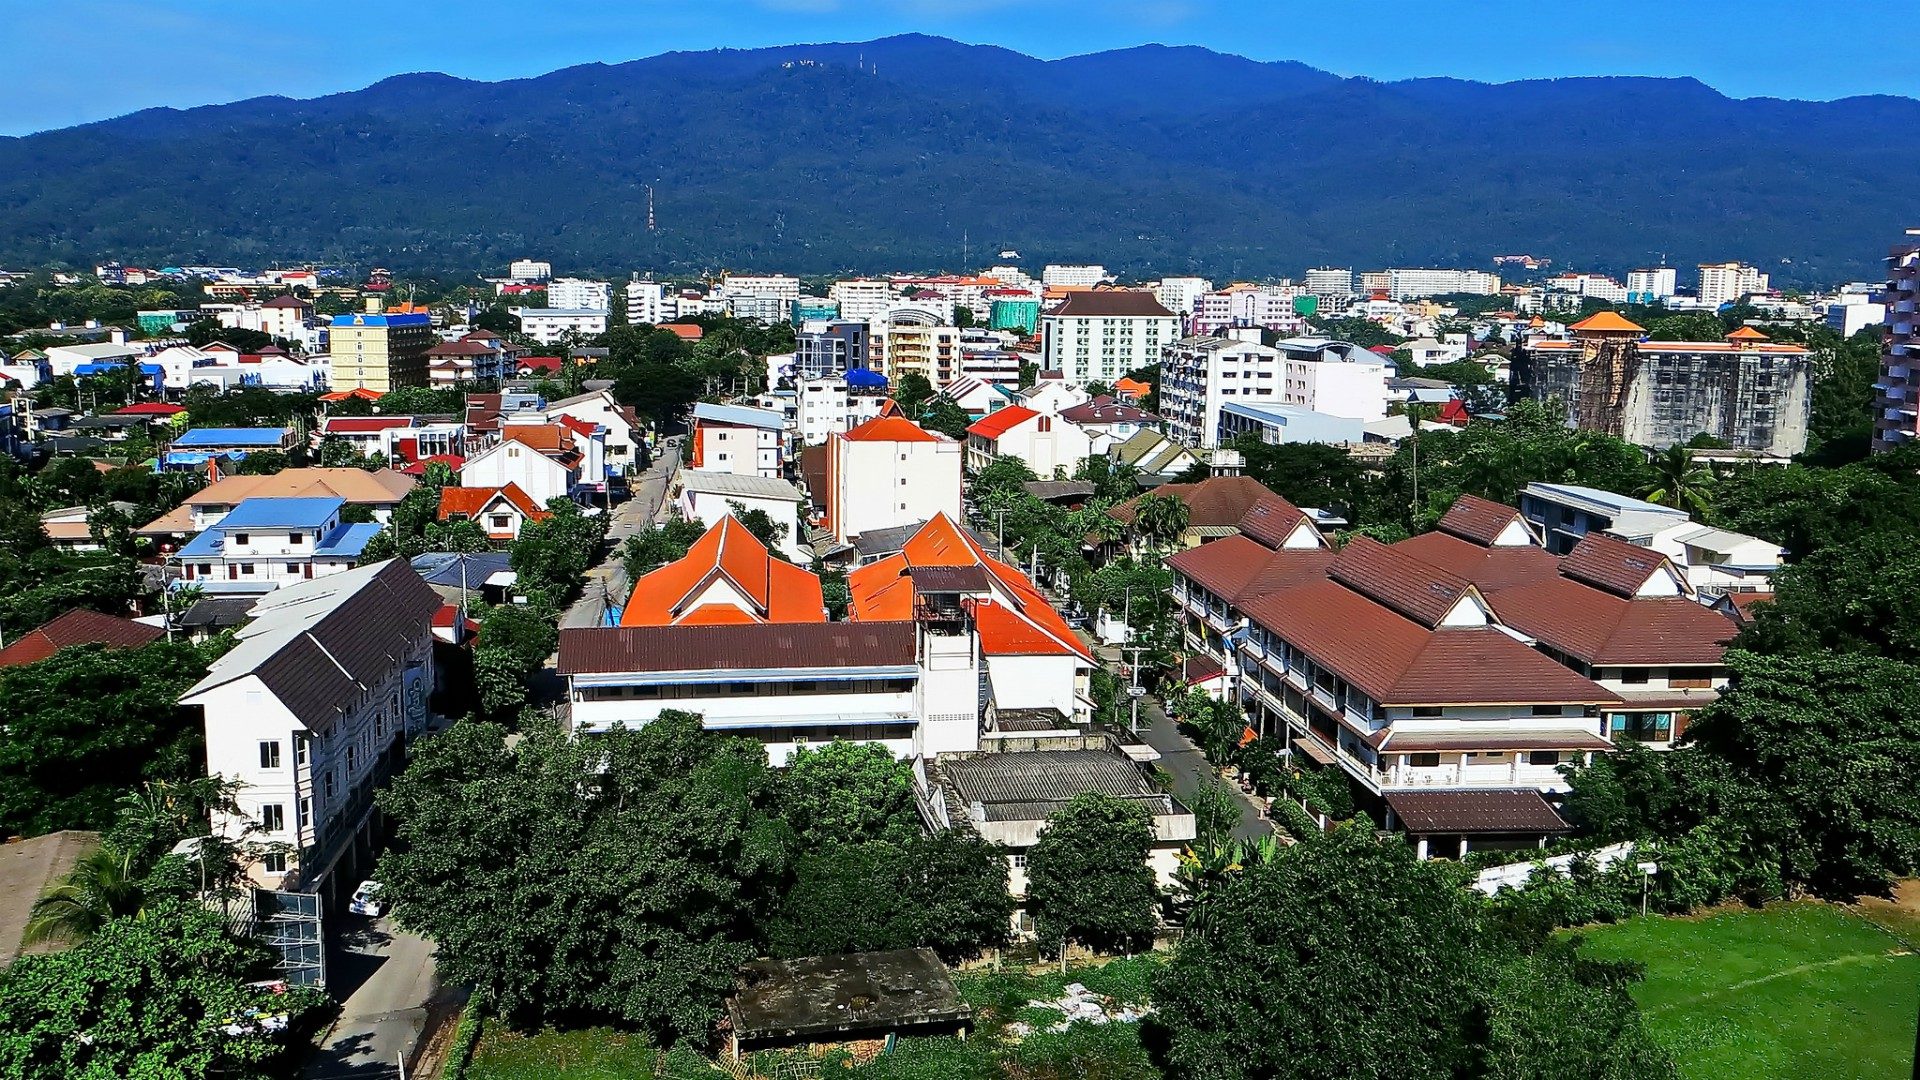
(1515, 875)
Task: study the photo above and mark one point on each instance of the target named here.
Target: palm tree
(1160, 520)
(1678, 482)
(100, 888)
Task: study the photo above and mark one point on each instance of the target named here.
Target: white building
(649, 302)
(1654, 285)
(824, 406)
(1052, 447)
(1406, 284)
(1102, 334)
(861, 299)
(1328, 281)
(1596, 286)
(547, 461)
(284, 317)
(1269, 307)
(579, 294)
(266, 543)
(707, 497)
(621, 430)
(1058, 275)
(1729, 282)
(310, 712)
(1177, 294)
(737, 439)
(1716, 562)
(1428, 352)
(549, 326)
(889, 472)
(529, 270)
(1199, 376)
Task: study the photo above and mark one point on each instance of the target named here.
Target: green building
(814, 309)
(1021, 315)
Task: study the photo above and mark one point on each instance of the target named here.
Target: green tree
(1160, 520)
(552, 555)
(145, 997)
(945, 416)
(912, 393)
(515, 640)
(1679, 483)
(848, 792)
(761, 525)
(103, 886)
(87, 724)
(644, 552)
(1087, 875)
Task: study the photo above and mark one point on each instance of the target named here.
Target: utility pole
(1000, 532)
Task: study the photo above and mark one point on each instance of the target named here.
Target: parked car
(366, 900)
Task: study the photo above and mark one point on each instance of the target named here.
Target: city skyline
(246, 52)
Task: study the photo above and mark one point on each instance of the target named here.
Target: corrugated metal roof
(1504, 811)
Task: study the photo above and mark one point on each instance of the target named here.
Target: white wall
(541, 477)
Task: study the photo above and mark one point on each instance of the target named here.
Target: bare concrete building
(1753, 393)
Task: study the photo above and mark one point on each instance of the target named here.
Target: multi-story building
(1102, 334)
(1057, 275)
(862, 299)
(1752, 393)
(378, 492)
(579, 294)
(713, 497)
(547, 461)
(1329, 282)
(766, 297)
(825, 349)
(834, 403)
(265, 543)
(551, 325)
(650, 302)
(1269, 307)
(1896, 394)
(468, 359)
(1653, 285)
(1200, 376)
(1410, 284)
(378, 350)
(311, 712)
(737, 439)
(889, 472)
(1729, 282)
(1562, 515)
(1051, 446)
(1582, 286)
(1178, 294)
(1277, 424)
(1108, 422)
(915, 341)
(529, 270)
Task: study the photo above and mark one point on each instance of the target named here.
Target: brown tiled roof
(617, 649)
(1217, 500)
(1600, 627)
(1491, 568)
(1271, 519)
(1112, 302)
(1610, 563)
(1440, 812)
(1240, 569)
(77, 627)
(1403, 742)
(1105, 410)
(1419, 590)
(1486, 666)
(1479, 520)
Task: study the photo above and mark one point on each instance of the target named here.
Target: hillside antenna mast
(650, 226)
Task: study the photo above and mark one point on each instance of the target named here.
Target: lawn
(587, 1054)
(1803, 990)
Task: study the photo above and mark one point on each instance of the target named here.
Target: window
(500, 521)
(270, 755)
(1634, 676)
(1017, 861)
(303, 812)
(1546, 710)
(349, 757)
(273, 817)
(1543, 757)
(274, 862)
(299, 749)
(246, 568)
(206, 569)
(1425, 711)
(1424, 761)
(239, 538)
(296, 539)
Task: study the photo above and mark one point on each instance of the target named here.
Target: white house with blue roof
(191, 448)
(263, 544)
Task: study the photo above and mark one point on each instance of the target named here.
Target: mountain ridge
(1230, 166)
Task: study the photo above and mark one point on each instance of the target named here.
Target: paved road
(391, 987)
(606, 584)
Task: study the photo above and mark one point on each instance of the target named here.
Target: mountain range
(918, 152)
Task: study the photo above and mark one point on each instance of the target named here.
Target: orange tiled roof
(1747, 333)
(995, 424)
(776, 591)
(472, 502)
(1608, 322)
(886, 428)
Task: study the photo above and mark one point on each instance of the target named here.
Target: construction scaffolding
(1607, 370)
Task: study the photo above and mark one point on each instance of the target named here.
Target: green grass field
(587, 1054)
(1803, 990)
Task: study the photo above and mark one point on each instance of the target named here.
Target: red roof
(684, 331)
(360, 392)
(345, 424)
(151, 408)
(549, 364)
(577, 425)
(469, 502)
(77, 627)
(995, 424)
(885, 428)
(451, 461)
(681, 592)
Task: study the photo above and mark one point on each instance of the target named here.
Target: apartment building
(1179, 294)
(828, 348)
(914, 340)
(579, 294)
(1896, 394)
(1329, 282)
(377, 350)
(529, 270)
(1102, 334)
(450, 363)
(650, 302)
(737, 439)
(1753, 393)
(765, 297)
(1199, 377)
(311, 712)
(1269, 307)
(1411, 284)
(1068, 275)
(265, 543)
(862, 299)
(1653, 285)
(1562, 515)
(1729, 282)
(889, 472)
(551, 325)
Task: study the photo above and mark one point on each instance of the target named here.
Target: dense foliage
(1087, 875)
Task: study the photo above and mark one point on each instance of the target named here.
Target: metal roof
(739, 414)
(281, 513)
(739, 485)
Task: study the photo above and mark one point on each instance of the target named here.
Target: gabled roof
(1610, 563)
(890, 428)
(1479, 520)
(1239, 568)
(473, 502)
(77, 627)
(1747, 333)
(727, 554)
(995, 424)
(1272, 520)
(1217, 500)
(1490, 568)
(1111, 302)
(1605, 628)
(276, 513)
(1394, 579)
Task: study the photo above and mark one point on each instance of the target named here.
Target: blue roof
(443, 567)
(207, 543)
(272, 513)
(269, 437)
(364, 319)
(865, 377)
(348, 541)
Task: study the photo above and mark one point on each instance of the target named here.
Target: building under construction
(1750, 392)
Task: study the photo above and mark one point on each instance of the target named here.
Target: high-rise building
(1329, 281)
(828, 348)
(1896, 394)
(1410, 284)
(1081, 276)
(1200, 376)
(1726, 283)
(378, 350)
(578, 294)
(1651, 286)
(529, 270)
(649, 302)
(1177, 294)
(1102, 334)
(765, 297)
(862, 299)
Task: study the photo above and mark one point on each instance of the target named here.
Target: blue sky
(82, 60)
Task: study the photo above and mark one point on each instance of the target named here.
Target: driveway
(391, 990)
(606, 584)
(1191, 770)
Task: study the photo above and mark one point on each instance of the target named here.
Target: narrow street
(606, 584)
(391, 989)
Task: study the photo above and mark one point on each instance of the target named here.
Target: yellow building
(379, 350)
